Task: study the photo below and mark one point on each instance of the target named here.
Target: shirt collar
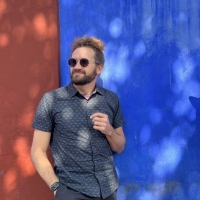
(73, 91)
(99, 90)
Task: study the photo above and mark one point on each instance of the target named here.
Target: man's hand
(101, 123)
(115, 137)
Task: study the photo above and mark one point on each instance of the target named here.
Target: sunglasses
(84, 62)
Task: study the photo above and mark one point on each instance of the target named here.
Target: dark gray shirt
(83, 159)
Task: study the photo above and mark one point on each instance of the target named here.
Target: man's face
(83, 75)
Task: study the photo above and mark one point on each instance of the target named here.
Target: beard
(76, 80)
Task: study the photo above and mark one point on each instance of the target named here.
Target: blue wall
(152, 63)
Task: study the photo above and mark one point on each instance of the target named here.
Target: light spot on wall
(181, 107)
(10, 179)
(45, 26)
(147, 25)
(115, 27)
(34, 90)
(4, 40)
(192, 88)
(3, 7)
(168, 158)
(116, 66)
(182, 17)
(26, 118)
(40, 26)
(22, 149)
(139, 49)
(145, 134)
(183, 68)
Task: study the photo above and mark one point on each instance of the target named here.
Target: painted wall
(29, 63)
(152, 63)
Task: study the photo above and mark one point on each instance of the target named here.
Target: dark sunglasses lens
(71, 62)
(84, 62)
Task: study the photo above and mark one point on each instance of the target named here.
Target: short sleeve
(118, 118)
(42, 119)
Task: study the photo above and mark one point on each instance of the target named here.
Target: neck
(85, 89)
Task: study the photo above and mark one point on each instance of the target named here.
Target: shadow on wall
(29, 63)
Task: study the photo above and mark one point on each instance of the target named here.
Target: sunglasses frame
(75, 61)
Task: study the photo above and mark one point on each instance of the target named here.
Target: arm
(117, 140)
(115, 137)
(39, 157)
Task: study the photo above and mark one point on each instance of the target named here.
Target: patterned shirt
(83, 159)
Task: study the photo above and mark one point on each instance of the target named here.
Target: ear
(99, 69)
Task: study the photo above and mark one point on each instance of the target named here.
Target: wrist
(54, 186)
(111, 132)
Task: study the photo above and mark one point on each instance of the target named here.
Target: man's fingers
(99, 128)
(100, 115)
(98, 123)
(98, 119)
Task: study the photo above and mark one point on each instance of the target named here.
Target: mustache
(79, 71)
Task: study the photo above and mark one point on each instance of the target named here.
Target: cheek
(71, 70)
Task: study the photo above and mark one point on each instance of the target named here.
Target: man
(83, 124)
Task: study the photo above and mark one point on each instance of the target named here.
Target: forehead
(83, 52)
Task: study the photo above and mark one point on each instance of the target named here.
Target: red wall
(29, 63)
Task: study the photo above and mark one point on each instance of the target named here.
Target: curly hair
(92, 42)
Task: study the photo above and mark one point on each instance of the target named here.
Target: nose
(78, 65)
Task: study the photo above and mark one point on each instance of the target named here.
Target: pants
(65, 193)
